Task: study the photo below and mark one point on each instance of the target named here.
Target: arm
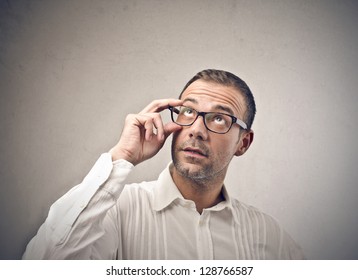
(82, 224)
(79, 213)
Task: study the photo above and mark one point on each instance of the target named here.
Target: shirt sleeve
(79, 224)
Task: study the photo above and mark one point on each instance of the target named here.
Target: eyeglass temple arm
(241, 123)
(175, 110)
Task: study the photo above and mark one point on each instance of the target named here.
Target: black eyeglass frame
(203, 114)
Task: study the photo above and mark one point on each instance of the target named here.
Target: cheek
(176, 138)
(226, 149)
(180, 136)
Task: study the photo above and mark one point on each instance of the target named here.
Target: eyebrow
(217, 107)
(191, 100)
(224, 108)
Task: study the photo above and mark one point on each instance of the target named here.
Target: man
(187, 213)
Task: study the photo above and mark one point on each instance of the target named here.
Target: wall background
(71, 70)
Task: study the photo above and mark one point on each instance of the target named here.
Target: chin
(191, 171)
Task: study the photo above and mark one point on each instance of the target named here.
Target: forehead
(211, 94)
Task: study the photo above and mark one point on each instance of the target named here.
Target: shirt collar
(166, 192)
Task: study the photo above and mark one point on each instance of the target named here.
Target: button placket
(204, 237)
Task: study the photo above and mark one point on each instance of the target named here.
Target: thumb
(169, 128)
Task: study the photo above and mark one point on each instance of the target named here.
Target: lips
(195, 151)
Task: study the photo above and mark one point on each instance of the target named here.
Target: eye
(188, 112)
(219, 119)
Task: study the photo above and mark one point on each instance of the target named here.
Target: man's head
(228, 79)
(201, 154)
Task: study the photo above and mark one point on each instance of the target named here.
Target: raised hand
(144, 134)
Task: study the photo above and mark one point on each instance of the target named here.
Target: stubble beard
(199, 174)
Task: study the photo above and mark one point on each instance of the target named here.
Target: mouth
(195, 152)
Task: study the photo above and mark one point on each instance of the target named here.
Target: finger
(158, 123)
(148, 126)
(153, 125)
(157, 106)
(171, 127)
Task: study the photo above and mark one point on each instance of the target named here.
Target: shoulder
(135, 194)
(142, 188)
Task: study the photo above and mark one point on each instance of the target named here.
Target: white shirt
(102, 218)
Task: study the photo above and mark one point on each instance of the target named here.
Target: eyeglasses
(213, 121)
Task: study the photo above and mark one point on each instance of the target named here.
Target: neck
(205, 193)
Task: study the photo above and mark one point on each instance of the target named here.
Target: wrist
(118, 153)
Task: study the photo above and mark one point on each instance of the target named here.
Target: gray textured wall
(71, 70)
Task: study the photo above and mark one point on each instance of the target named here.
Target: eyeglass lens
(216, 122)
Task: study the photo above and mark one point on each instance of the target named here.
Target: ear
(244, 142)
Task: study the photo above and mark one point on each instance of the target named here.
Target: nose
(198, 129)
